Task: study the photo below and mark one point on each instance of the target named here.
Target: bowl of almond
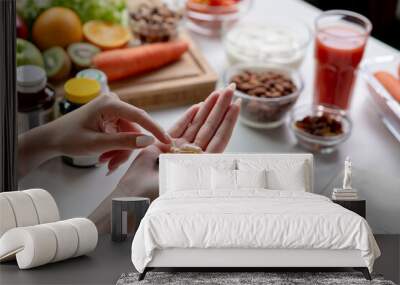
(268, 92)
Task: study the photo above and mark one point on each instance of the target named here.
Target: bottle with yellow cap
(78, 92)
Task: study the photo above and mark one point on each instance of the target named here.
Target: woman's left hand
(208, 125)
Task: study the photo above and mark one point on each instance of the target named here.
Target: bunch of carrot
(122, 63)
(390, 82)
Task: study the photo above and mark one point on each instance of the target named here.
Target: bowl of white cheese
(276, 40)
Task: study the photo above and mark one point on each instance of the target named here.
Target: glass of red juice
(340, 41)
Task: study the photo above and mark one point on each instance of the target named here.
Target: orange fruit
(57, 26)
(106, 35)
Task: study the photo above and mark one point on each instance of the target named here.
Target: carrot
(391, 84)
(398, 71)
(122, 63)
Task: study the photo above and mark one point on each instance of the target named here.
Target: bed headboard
(233, 159)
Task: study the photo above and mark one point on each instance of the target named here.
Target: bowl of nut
(155, 21)
(320, 128)
(267, 91)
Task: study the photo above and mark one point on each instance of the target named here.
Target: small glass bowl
(315, 143)
(209, 20)
(262, 112)
(278, 40)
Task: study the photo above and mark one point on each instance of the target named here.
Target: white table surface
(374, 151)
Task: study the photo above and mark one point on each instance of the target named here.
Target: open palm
(209, 125)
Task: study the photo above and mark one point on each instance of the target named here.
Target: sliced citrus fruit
(106, 35)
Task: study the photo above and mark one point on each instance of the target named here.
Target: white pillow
(277, 180)
(223, 179)
(251, 178)
(226, 179)
(182, 177)
(282, 174)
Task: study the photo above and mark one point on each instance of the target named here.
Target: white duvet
(250, 219)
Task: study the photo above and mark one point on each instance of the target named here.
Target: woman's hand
(209, 125)
(103, 125)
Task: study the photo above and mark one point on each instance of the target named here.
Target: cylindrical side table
(123, 208)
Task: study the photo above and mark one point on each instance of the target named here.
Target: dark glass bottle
(36, 100)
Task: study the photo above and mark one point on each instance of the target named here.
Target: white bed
(195, 223)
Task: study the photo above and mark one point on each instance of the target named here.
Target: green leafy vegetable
(106, 10)
(30, 9)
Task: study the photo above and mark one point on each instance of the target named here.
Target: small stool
(122, 208)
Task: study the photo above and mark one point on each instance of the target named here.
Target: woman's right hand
(104, 125)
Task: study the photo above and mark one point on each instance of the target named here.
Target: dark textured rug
(268, 278)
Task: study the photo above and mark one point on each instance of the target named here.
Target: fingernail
(238, 101)
(144, 140)
(168, 138)
(232, 86)
(111, 171)
(110, 127)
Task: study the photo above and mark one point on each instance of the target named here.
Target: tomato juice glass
(340, 41)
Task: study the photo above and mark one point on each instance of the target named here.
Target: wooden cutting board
(187, 81)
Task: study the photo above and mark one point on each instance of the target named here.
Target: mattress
(251, 219)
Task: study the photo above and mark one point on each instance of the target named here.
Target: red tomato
(221, 2)
(22, 29)
(216, 2)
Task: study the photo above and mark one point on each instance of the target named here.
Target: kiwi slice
(82, 53)
(56, 63)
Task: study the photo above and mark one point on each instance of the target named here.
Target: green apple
(28, 54)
